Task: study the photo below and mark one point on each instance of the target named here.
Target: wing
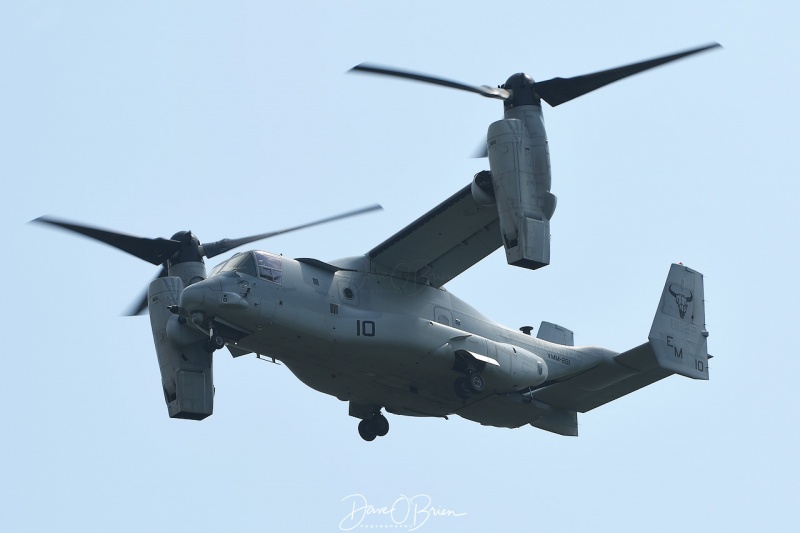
(442, 243)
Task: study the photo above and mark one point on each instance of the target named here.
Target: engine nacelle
(186, 366)
(520, 163)
(482, 189)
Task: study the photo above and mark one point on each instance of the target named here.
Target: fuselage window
(269, 266)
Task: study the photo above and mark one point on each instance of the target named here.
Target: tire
(218, 342)
(214, 343)
(380, 425)
(476, 383)
(366, 431)
(460, 388)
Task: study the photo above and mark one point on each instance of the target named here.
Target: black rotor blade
(483, 90)
(220, 247)
(560, 90)
(481, 151)
(155, 251)
(140, 304)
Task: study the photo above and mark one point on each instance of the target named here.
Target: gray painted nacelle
(519, 160)
(183, 357)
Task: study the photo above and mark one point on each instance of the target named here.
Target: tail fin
(678, 336)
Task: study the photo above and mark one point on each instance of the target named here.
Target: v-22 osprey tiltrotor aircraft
(379, 331)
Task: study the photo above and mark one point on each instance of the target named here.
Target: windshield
(242, 262)
(257, 264)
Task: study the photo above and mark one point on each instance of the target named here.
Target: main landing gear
(472, 383)
(375, 426)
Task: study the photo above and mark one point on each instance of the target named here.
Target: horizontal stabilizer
(613, 378)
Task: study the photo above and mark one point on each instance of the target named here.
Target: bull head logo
(682, 300)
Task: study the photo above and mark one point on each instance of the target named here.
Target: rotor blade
(483, 90)
(481, 151)
(560, 90)
(155, 251)
(139, 306)
(220, 247)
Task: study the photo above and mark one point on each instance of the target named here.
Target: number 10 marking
(365, 328)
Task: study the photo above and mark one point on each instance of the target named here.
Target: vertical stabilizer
(554, 333)
(678, 336)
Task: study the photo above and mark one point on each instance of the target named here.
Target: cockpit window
(257, 264)
(217, 269)
(242, 262)
(269, 266)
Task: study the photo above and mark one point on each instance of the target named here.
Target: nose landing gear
(214, 343)
(375, 426)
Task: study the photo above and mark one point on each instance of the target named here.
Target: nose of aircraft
(211, 297)
(196, 296)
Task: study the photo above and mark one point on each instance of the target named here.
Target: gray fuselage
(373, 339)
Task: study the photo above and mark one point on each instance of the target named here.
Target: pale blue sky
(235, 118)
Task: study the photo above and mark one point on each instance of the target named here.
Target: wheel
(476, 383)
(217, 342)
(460, 388)
(366, 430)
(214, 343)
(380, 425)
